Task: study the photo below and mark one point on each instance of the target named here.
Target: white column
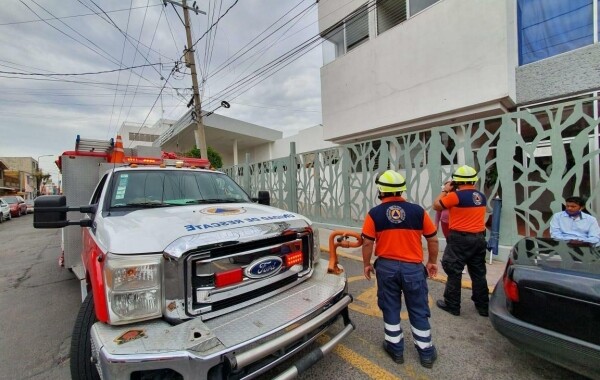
(235, 152)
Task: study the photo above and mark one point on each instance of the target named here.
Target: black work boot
(428, 362)
(442, 305)
(395, 357)
(483, 311)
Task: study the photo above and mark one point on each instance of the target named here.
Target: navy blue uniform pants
(393, 279)
(465, 249)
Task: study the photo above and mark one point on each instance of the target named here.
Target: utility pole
(191, 63)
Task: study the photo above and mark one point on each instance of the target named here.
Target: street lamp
(37, 189)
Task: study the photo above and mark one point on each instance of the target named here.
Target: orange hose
(342, 241)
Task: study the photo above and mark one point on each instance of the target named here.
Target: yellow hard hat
(390, 182)
(465, 174)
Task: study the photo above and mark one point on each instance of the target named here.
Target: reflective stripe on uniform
(392, 328)
(394, 339)
(423, 345)
(420, 333)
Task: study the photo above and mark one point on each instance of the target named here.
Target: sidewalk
(494, 270)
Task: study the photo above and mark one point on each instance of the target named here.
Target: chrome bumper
(248, 341)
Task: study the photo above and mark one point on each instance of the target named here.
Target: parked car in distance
(17, 205)
(29, 203)
(548, 304)
(4, 211)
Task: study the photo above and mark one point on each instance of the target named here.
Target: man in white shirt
(574, 226)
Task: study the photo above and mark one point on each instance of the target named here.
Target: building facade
(136, 134)
(424, 86)
(19, 176)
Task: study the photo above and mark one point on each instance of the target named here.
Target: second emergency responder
(397, 226)
(466, 244)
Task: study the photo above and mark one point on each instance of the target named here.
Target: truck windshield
(162, 188)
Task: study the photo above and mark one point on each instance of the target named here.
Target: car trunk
(558, 288)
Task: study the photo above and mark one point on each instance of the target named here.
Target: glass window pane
(548, 28)
(417, 6)
(357, 28)
(389, 14)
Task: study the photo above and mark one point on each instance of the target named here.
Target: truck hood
(152, 230)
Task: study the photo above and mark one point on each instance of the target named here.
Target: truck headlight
(133, 287)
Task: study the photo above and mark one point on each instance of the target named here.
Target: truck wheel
(82, 367)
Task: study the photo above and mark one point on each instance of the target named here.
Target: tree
(40, 179)
(213, 156)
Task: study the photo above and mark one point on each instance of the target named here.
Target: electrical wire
(119, 76)
(227, 62)
(74, 16)
(260, 52)
(79, 74)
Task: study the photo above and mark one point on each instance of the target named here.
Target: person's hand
(579, 243)
(432, 270)
(368, 269)
(447, 187)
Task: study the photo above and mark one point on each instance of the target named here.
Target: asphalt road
(39, 302)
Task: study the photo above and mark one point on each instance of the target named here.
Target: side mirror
(264, 198)
(51, 212)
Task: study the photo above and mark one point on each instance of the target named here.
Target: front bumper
(571, 353)
(241, 344)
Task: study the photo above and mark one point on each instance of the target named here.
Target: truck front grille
(252, 271)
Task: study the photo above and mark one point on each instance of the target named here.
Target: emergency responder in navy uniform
(397, 226)
(466, 243)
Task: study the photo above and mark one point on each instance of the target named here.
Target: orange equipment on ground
(340, 239)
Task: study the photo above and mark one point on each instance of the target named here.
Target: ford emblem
(264, 267)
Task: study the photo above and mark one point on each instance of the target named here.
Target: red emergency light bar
(187, 161)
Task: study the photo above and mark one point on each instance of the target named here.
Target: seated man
(573, 226)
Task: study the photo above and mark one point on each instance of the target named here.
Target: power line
(227, 63)
(304, 47)
(78, 74)
(73, 16)
(119, 77)
(113, 60)
(301, 14)
(87, 83)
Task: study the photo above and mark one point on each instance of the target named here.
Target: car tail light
(229, 277)
(510, 287)
(294, 258)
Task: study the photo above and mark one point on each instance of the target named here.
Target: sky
(121, 60)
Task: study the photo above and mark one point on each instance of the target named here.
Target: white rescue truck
(183, 275)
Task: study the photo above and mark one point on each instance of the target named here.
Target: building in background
(231, 138)
(4, 190)
(136, 134)
(19, 175)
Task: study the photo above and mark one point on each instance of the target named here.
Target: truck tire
(82, 367)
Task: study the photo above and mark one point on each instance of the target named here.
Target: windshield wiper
(214, 200)
(142, 205)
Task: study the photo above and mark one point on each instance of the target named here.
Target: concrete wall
(455, 59)
(573, 72)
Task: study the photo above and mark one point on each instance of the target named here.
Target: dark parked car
(548, 303)
(17, 205)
